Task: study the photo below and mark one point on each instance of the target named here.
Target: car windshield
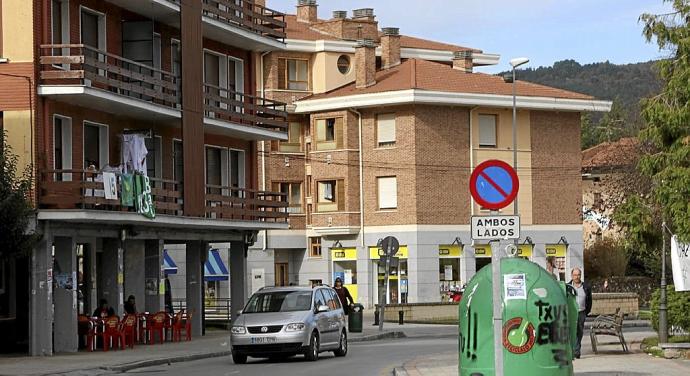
(279, 301)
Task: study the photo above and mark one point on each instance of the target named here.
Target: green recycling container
(355, 318)
(539, 325)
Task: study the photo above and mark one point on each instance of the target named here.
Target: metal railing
(232, 203)
(215, 309)
(247, 15)
(228, 105)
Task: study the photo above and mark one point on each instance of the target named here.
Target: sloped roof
(622, 153)
(302, 31)
(433, 76)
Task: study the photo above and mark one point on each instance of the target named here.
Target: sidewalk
(609, 361)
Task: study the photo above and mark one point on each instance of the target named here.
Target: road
(364, 358)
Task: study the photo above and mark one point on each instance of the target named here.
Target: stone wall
(607, 303)
(423, 312)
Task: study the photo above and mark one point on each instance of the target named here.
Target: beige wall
(325, 73)
(18, 129)
(504, 152)
(17, 35)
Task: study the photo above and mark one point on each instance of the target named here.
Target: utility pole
(663, 322)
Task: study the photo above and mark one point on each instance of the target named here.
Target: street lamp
(516, 62)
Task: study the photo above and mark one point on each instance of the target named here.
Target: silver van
(285, 321)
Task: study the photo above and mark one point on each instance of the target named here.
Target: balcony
(244, 24)
(80, 191)
(87, 77)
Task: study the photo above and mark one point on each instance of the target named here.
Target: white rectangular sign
(495, 227)
(680, 263)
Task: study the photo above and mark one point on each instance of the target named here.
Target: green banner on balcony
(127, 190)
(144, 201)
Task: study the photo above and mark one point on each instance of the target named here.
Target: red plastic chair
(87, 330)
(176, 325)
(113, 332)
(188, 326)
(156, 324)
(128, 329)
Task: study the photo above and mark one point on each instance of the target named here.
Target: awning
(214, 268)
(169, 265)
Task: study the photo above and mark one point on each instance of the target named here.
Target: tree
(15, 205)
(667, 118)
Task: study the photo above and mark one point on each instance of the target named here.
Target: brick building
(384, 130)
(88, 86)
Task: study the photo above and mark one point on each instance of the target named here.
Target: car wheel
(312, 353)
(342, 349)
(239, 358)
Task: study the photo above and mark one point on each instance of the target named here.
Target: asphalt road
(364, 359)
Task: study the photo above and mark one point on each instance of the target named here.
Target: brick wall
(349, 29)
(556, 171)
(272, 75)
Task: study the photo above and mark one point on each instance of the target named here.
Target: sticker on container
(514, 286)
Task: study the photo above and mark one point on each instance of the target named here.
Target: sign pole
(382, 305)
(497, 305)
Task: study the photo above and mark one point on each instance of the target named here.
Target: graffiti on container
(553, 326)
(468, 342)
(561, 357)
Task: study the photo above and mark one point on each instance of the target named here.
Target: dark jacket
(588, 295)
(344, 296)
(99, 312)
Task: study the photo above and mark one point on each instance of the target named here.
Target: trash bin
(537, 319)
(355, 318)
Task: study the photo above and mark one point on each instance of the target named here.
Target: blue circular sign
(494, 184)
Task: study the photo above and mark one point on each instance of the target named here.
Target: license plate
(264, 340)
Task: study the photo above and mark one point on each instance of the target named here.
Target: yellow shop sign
(482, 250)
(449, 251)
(374, 252)
(557, 250)
(343, 254)
(525, 250)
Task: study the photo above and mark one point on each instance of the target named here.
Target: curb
(375, 337)
(154, 362)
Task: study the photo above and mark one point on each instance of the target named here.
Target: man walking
(584, 305)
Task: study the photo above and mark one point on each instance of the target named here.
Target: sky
(545, 31)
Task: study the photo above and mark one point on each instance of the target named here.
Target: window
(388, 192)
(319, 299)
(331, 195)
(154, 157)
(385, 129)
(487, 130)
(60, 22)
(176, 65)
(294, 74)
(294, 141)
(178, 161)
(95, 145)
(62, 146)
(92, 29)
(294, 195)
(329, 134)
(314, 247)
(344, 64)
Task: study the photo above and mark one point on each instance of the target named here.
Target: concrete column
(154, 270)
(468, 264)
(423, 273)
(195, 255)
(238, 273)
(90, 277)
(41, 324)
(65, 295)
(135, 282)
(365, 288)
(113, 274)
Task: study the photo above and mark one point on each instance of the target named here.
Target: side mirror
(239, 312)
(321, 309)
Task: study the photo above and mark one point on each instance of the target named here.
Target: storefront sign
(374, 252)
(482, 250)
(449, 251)
(525, 250)
(344, 254)
(556, 250)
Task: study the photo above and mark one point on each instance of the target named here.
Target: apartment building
(384, 130)
(163, 92)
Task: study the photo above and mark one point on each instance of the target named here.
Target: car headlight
(296, 327)
(238, 330)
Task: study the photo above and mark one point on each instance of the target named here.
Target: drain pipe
(263, 143)
(361, 178)
(471, 156)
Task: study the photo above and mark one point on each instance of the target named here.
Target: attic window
(344, 64)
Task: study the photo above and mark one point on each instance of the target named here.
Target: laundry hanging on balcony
(134, 153)
(144, 200)
(214, 268)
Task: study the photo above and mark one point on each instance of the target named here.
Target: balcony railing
(245, 204)
(247, 15)
(83, 189)
(70, 64)
(224, 104)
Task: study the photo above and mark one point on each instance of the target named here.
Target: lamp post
(514, 63)
(663, 322)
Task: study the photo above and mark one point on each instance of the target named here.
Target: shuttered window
(293, 191)
(487, 130)
(329, 134)
(331, 195)
(385, 129)
(294, 141)
(297, 74)
(388, 192)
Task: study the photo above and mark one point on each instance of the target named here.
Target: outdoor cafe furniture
(155, 324)
(87, 328)
(113, 333)
(128, 328)
(183, 322)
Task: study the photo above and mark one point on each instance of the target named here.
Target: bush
(606, 258)
(677, 308)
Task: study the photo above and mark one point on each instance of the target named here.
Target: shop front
(482, 255)
(345, 268)
(397, 289)
(449, 269)
(558, 253)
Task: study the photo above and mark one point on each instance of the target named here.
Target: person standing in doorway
(584, 305)
(552, 268)
(343, 295)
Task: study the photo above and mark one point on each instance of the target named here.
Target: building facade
(163, 92)
(384, 131)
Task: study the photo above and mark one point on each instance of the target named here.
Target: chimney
(339, 14)
(261, 3)
(365, 63)
(306, 11)
(462, 60)
(390, 46)
(363, 14)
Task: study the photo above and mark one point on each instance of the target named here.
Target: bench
(609, 325)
